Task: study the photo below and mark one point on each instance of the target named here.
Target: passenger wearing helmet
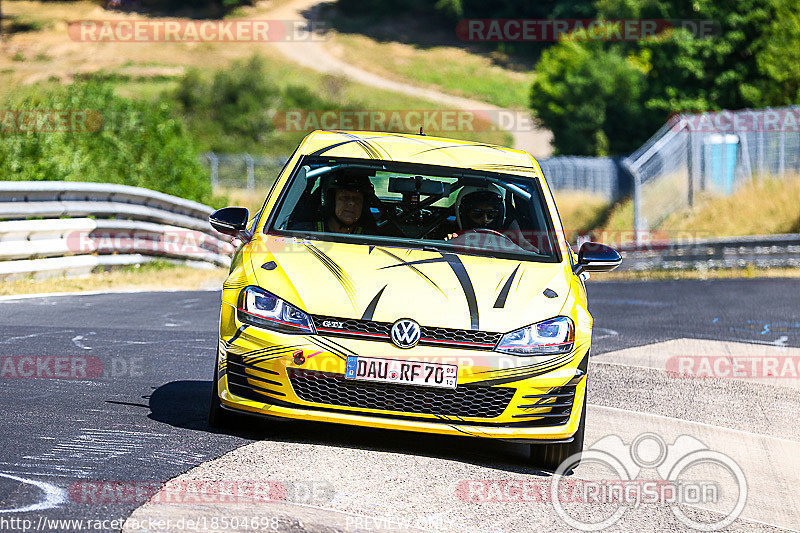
(345, 207)
(478, 208)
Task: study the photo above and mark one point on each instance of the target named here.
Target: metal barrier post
(251, 179)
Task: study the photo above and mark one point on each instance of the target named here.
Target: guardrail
(54, 227)
(761, 251)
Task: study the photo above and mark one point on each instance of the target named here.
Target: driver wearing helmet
(345, 206)
(479, 208)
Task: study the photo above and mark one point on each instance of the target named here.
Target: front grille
(557, 401)
(335, 389)
(429, 336)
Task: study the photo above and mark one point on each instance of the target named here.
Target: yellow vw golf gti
(411, 283)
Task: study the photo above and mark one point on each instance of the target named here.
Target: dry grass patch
(765, 206)
(146, 277)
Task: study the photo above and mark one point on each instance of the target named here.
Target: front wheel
(550, 456)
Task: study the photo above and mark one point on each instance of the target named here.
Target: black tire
(217, 416)
(550, 456)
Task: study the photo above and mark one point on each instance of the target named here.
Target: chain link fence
(242, 171)
(710, 154)
(602, 176)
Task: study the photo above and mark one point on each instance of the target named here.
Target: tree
(753, 60)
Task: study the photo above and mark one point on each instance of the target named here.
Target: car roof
(415, 148)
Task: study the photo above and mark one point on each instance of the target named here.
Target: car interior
(407, 205)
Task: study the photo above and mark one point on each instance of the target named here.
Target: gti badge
(405, 333)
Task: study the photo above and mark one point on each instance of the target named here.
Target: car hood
(386, 283)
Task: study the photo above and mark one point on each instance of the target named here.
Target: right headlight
(553, 336)
(263, 309)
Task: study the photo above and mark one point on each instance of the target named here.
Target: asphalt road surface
(70, 446)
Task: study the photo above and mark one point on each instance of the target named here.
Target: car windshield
(419, 206)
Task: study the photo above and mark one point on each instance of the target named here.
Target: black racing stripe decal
(341, 276)
(375, 153)
(235, 284)
(320, 344)
(369, 312)
(417, 262)
(236, 335)
(414, 269)
(506, 166)
(463, 278)
(277, 354)
(493, 147)
(331, 147)
(265, 358)
(266, 350)
(371, 152)
(343, 349)
(466, 285)
(501, 298)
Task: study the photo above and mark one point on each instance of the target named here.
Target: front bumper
(523, 399)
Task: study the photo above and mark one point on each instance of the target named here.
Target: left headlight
(263, 309)
(553, 336)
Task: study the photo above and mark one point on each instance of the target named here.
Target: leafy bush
(233, 110)
(132, 143)
(590, 98)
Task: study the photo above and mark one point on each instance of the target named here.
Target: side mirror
(596, 257)
(230, 220)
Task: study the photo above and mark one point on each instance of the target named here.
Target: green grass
(447, 68)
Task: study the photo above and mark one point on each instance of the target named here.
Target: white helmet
(470, 196)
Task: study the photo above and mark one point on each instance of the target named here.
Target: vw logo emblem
(405, 333)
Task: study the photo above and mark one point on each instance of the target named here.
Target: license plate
(404, 372)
